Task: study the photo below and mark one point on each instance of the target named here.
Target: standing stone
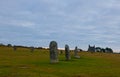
(76, 52)
(53, 52)
(14, 48)
(32, 49)
(67, 52)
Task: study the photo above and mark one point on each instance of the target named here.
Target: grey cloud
(67, 21)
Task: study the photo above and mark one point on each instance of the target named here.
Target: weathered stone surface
(76, 52)
(67, 52)
(53, 52)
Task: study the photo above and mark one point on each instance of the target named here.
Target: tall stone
(76, 52)
(14, 48)
(53, 52)
(32, 49)
(67, 52)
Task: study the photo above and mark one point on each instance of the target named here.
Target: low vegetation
(24, 63)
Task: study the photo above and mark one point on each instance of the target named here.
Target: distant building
(91, 48)
(99, 49)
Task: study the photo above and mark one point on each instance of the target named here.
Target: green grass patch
(23, 63)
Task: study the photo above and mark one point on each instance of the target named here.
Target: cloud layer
(75, 22)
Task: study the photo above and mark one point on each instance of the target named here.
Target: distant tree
(98, 49)
(102, 50)
(39, 48)
(109, 50)
(9, 45)
(1, 44)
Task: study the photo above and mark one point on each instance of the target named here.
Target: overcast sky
(72, 22)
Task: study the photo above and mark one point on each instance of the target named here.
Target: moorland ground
(23, 63)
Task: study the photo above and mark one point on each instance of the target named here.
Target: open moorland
(24, 63)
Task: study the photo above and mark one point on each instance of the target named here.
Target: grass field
(23, 63)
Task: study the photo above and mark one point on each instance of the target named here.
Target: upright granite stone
(14, 48)
(32, 49)
(67, 52)
(53, 52)
(76, 52)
